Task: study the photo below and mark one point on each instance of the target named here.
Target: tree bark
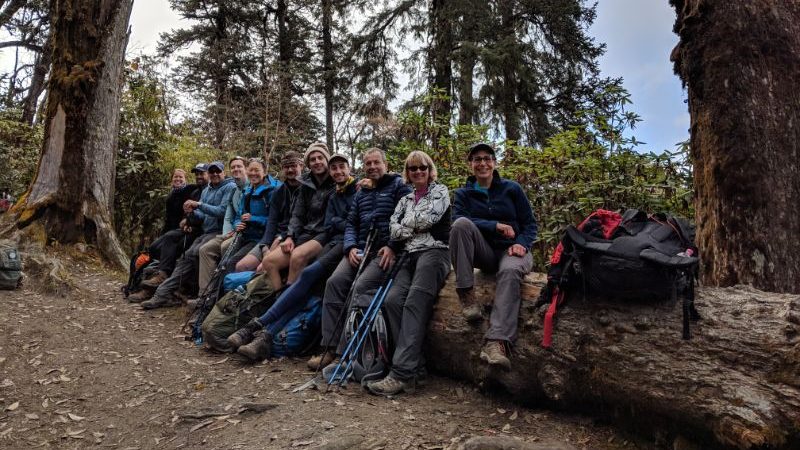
(735, 384)
(72, 193)
(40, 70)
(327, 68)
(740, 61)
(466, 98)
(510, 61)
(440, 55)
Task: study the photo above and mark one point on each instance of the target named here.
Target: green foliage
(19, 151)
(586, 167)
(149, 150)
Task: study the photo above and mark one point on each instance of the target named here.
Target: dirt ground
(87, 370)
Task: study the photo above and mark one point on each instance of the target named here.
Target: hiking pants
(294, 298)
(211, 252)
(470, 250)
(184, 269)
(169, 247)
(336, 290)
(409, 304)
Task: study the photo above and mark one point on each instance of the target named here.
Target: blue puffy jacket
(505, 203)
(374, 207)
(256, 202)
(213, 202)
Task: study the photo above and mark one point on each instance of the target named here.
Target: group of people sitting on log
(318, 224)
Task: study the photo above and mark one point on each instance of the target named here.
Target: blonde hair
(181, 171)
(421, 158)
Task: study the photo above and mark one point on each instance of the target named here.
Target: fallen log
(735, 384)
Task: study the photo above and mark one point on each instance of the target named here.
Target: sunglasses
(214, 171)
(416, 168)
(479, 159)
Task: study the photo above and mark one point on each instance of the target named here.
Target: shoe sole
(409, 391)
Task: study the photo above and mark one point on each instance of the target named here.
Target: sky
(638, 37)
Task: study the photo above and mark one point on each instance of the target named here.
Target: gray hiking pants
(470, 250)
(186, 268)
(409, 304)
(336, 290)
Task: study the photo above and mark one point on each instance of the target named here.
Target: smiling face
(255, 173)
(201, 178)
(292, 171)
(340, 171)
(317, 163)
(237, 169)
(178, 178)
(374, 166)
(482, 164)
(215, 175)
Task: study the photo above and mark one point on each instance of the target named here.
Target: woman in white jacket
(421, 221)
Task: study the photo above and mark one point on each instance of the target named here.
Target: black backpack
(633, 256)
(142, 266)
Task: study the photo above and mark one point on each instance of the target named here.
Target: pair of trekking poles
(210, 293)
(343, 369)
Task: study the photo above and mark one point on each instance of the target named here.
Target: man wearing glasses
(210, 211)
(494, 229)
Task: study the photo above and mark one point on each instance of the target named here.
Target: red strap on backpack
(555, 300)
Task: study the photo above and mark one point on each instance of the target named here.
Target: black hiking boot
(245, 334)
(160, 302)
(259, 348)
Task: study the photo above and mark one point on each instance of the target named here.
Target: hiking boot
(259, 348)
(321, 360)
(160, 302)
(156, 280)
(192, 304)
(495, 353)
(391, 386)
(471, 310)
(140, 296)
(245, 334)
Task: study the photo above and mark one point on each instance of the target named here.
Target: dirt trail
(88, 370)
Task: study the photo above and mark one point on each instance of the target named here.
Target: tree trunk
(72, 193)
(736, 383)
(466, 99)
(328, 71)
(440, 55)
(221, 76)
(739, 61)
(510, 61)
(40, 70)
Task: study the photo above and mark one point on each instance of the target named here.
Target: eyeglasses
(416, 168)
(480, 159)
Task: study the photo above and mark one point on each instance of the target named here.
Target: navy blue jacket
(374, 207)
(506, 203)
(338, 208)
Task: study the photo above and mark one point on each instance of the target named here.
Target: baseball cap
(480, 146)
(338, 157)
(200, 167)
(219, 165)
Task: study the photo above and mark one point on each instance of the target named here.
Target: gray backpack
(10, 267)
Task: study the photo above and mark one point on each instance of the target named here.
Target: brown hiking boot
(259, 348)
(471, 310)
(156, 280)
(245, 334)
(494, 353)
(140, 296)
(322, 360)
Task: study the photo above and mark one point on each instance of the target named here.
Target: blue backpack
(301, 333)
(236, 279)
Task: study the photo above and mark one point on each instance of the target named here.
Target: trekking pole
(351, 353)
(340, 319)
